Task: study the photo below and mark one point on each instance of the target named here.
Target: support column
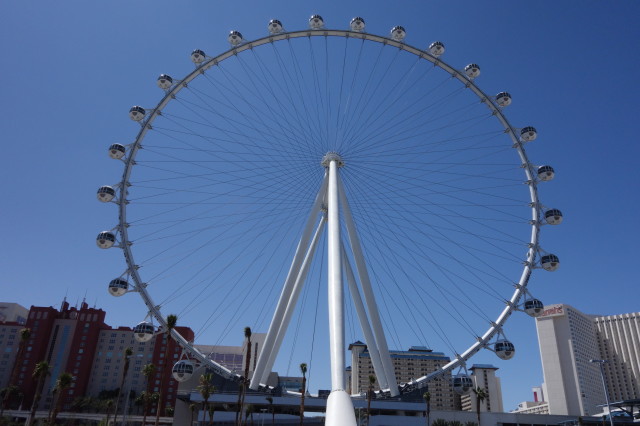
(363, 274)
(336, 296)
(285, 296)
(291, 306)
(364, 323)
(340, 410)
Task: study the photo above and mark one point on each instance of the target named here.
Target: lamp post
(601, 362)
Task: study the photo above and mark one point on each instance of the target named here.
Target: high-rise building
(9, 343)
(619, 343)
(484, 376)
(569, 340)
(78, 341)
(13, 312)
(418, 361)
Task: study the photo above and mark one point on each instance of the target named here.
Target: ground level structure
(384, 412)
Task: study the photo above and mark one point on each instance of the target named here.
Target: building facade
(569, 340)
(78, 341)
(619, 343)
(484, 376)
(418, 361)
(13, 312)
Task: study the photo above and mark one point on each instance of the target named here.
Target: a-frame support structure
(325, 213)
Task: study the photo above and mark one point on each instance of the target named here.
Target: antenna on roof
(64, 300)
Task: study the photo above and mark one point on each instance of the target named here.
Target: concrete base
(340, 410)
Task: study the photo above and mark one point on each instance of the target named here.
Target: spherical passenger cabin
(436, 48)
(235, 38)
(105, 239)
(137, 113)
(117, 151)
(182, 370)
(533, 307)
(106, 194)
(503, 99)
(357, 24)
(546, 173)
(274, 26)
(553, 216)
(398, 33)
(504, 349)
(164, 81)
(472, 70)
(197, 56)
(118, 287)
(528, 134)
(316, 22)
(143, 332)
(550, 262)
(462, 384)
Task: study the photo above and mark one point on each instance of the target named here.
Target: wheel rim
(380, 177)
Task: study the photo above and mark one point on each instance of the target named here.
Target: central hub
(332, 156)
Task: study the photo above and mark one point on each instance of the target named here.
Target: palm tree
(172, 320)
(249, 412)
(370, 393)
(481, 394)
(64, 382)
(244, 381)
(25, 334)
(271, 410)
(125, 369)
(109, 405)
(206, 389)
(427, 399)
(192, 408)
(303, 370)
(40, 373)
(147, 371)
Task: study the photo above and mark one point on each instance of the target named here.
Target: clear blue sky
(70, 73)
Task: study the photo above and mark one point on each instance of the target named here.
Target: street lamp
(601, 362)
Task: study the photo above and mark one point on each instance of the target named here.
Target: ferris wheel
(330, 160)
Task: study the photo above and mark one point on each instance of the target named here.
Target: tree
(440, 422)
(40, 373)
(109, 405)
(206, 389)
(370, 393)
(271, 410)
(481, 394)
(63, 383)
(147, 371)
(11, 389)
(244, 381)
(171, 322)
(125, 369)
(192, 408)
(303, 370)
(249, 413)
(427, 399)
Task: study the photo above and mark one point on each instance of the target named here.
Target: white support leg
(336, 295)
(291, 306)
(340, 410)
(287, 289)
(364, 323)
(363, 274)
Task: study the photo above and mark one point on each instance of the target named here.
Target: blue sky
(71, 73)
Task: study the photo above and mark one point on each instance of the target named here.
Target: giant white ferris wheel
(338, 161)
